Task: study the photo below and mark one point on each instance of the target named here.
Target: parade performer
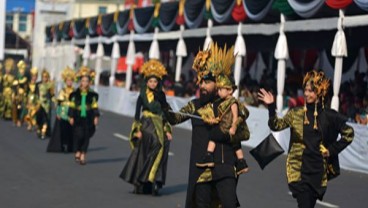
(230, 113)
(1, 91)
(62, 136)
(222, 178)
(150, 135)
(83, 114)
(8, 92)
(32, 100)
(45, 93)
(20, 85)
(313, 152)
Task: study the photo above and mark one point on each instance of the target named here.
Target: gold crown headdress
(153, 67)
(21, 65)
(84, 71)
(68, 73)
(319, 84)
(34, 71)
(9, 64)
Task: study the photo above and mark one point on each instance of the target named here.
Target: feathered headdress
(68, 73)
(319, 84)
(215, 62)
(154, 68)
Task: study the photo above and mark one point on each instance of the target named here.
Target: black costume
(147, 164)
(307, 171)
(202, 182)
(83, 109)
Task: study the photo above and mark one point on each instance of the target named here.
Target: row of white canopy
(59, 55)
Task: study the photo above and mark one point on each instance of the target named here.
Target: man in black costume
(212, 186)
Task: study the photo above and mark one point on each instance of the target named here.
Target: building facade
(21, 23)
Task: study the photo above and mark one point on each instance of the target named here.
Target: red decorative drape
(338, 4)
(238, 12)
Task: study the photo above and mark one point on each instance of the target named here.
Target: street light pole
(2, 28)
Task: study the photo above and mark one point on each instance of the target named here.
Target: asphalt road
(30, 177)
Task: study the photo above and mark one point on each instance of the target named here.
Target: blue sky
(27, 5)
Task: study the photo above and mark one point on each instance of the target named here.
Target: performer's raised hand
(265, 96)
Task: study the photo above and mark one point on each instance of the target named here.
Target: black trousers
(226, 191)
(307, 198)
(82, 133)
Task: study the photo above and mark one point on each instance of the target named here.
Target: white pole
(98, 67)
(154, 52)
(239, 52)
(130, 59)
(2, 28)
(181, 51)
(208, 40)
(86, 51)
(281, 54)
(115, 55)
(339, 50)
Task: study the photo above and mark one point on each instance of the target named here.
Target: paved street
(30, 177)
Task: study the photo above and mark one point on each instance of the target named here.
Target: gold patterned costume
(8, 92)
(32, 101)
(45, 94)
(314, 130)
(20, 85)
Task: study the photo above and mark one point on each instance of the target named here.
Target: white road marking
(125, 138)
(122, 137)
(323, 203)
(326, 204)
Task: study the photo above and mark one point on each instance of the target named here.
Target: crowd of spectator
(353, 95)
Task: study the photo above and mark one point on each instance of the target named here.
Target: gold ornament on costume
(84, 71)
(9, 64)
(153, 67)
(68, 73)
(319, 84)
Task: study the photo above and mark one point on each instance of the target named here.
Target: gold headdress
(84, 71)
(34, 71)
(21, 65)
(216, 62)
(153, 67)
(319, 84)
(68, 73)
(9, 64)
